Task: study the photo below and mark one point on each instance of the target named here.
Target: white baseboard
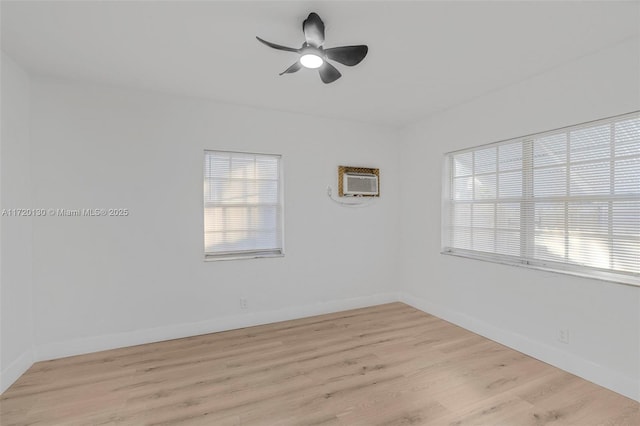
(581, 367)
(139, 337)
(16, 369)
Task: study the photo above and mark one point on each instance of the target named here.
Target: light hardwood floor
(385, 365)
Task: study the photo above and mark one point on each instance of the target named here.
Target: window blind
(566, 200)
(242, 205)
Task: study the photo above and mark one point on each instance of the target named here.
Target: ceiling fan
(313, 55)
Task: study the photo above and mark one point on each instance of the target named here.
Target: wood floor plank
(384, 365)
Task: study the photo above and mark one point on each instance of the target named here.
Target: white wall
(115, 281)
(520, 307)
(16, 326)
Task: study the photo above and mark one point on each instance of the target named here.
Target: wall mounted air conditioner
(360, 184)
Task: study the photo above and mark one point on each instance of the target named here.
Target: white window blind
(242, 205)
(565, 200)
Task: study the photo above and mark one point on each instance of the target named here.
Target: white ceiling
(424, 56)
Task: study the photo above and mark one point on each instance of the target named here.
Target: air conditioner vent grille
(359, 183)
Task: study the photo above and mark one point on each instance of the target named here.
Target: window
(566, 200)
(242, 205)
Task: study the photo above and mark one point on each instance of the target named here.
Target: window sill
(216, 258)
(594, 275)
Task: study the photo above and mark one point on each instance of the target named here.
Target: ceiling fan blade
(313, 29)
(277, 46)
(328, 73)
(347, 55)
(293, 68)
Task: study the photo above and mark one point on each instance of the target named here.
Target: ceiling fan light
(310, 60)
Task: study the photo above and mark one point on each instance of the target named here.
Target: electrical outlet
(244, 303)
(563, 335)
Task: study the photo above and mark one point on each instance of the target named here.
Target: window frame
(526, 215)
(246, 254)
